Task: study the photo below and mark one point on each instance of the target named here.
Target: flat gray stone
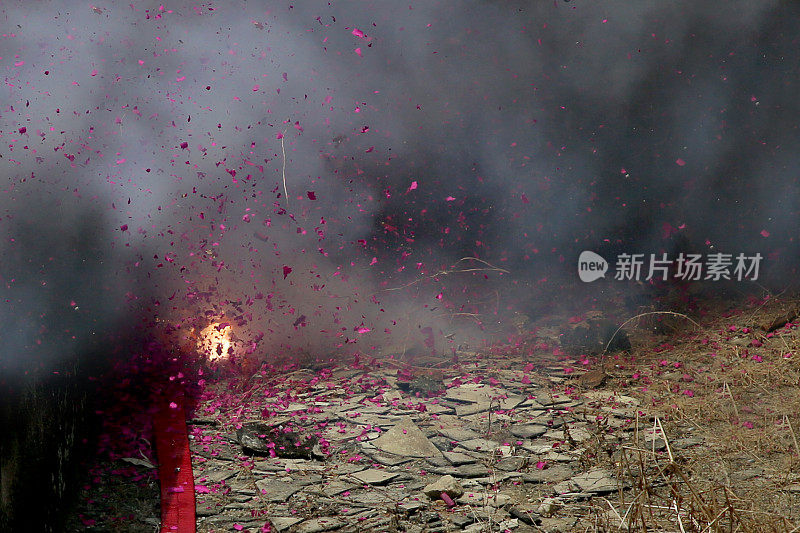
(206, 506)
(376, 500)
(474, 393)
(273, 490)
(373, 476)
(511, 402)
(224, 523)
(307, 479)
(412, 505)
(445, 484)
(389, 460)
(510, 464)
(472, 408)
(242, 486)
(481, 445)
(525, 516)
(459, 434)
(458, 459)
(444, 470)
(215, 475)
(472, 471)
(596, 481)
(407, 440)
(335, 487)
(490, 498)
(437, 408)
(283, 523)
(303, 465)
(528, 431)
(462, 521)
(318, 525)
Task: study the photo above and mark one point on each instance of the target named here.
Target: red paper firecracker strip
(175, 466)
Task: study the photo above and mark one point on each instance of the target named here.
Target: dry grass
(714, 447)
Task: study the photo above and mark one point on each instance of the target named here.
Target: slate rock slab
(447, 484)
(264, 439)
(318, 525)
(458, 459)
(283, 523)
(528, 431)
(474, 393)
(525, 516)
(374, 476)
(459, 434)
(596, 481)
(479, 444)
(273, 490)
(482, 499)
(406, 439)
(472, 470)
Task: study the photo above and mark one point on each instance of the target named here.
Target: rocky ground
(497, 449)
(692, 429)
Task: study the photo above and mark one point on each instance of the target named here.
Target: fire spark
(215, 341)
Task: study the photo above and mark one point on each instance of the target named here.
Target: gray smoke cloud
(148, 149)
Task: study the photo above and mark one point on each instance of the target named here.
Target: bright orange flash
(215, 341)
